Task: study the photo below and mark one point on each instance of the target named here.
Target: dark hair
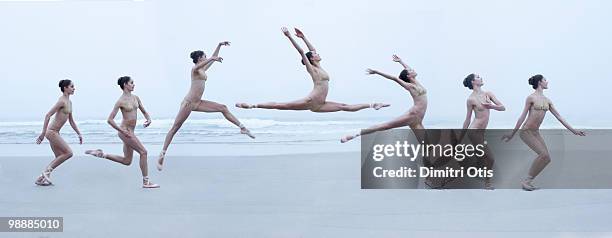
(404, 76)
(535, 80)
(196, 55)
(468, 81)
(64, 83)
(309, 56)
(123, 80)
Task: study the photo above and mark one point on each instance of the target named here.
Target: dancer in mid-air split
(316, 101)
(193, 100)
(414, 117)
(63, 112)
(129, 104)
(480, 102)
(536, 106)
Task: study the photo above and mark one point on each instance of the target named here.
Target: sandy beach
(302, 195)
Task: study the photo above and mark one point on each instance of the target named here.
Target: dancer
(414, 117)
(129, 104)
(193, 101)
(535, 109)
(63, 112)
(316, 101)
(480, 102)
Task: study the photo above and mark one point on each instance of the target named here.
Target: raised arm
(144, 112)
(298, 48)
(216, 53)
(75, 128)
(299, 34)
(205, 64)
(48, 116)
(520, 120)
(405, 85)
(554, 111)
(399, 60)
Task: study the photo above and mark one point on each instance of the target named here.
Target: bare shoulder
(63, 102)
(471, 100)
(198, 73)
(194, 71)
(120, 100)
(548, 99)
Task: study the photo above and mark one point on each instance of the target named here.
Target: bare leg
(62, 152)
(534, 140)
(133, 143)
(210, 106)
(129, 145)
(398, 122)
(418, 129)
(126, 159)
(302, 104)
(476, 136)
(181, 117)
(335, 107)
(60, 148)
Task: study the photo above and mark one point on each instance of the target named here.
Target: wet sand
(304, 195)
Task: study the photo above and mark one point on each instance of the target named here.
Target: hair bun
(195, 55)
(467, 82)
(534, 80)
(64, 83)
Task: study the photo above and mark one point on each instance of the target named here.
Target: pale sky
(95, 42)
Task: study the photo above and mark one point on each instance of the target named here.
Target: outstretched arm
(554, 111)
(298, 48)
(205, 63)
(299, 34)
(399, 60)
(520, 120)
(48, 116)
(405, 85)
(144, 112)
(75, 128)
(216, 53)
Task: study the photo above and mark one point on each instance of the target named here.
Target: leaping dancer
(316, 101)
(414, 117)
(193, 101)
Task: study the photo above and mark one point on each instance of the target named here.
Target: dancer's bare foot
(160, 161)
(244, 105)
(146, 183)
(97, 153)
(347, 138)
(246, 131)
(377, 105)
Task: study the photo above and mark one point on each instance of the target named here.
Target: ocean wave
(250, 122)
